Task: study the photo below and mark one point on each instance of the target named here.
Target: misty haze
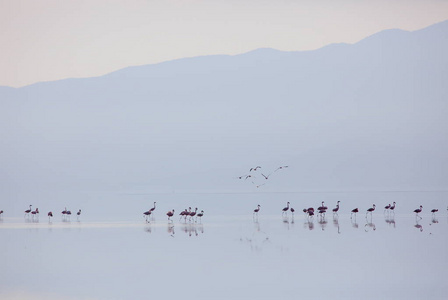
(362, 123)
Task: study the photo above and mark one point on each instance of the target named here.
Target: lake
(230, 253)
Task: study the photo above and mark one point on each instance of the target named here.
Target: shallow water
(383, 256)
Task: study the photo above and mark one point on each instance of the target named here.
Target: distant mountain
(371, 115)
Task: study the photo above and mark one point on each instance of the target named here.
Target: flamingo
(335, 210)
(257, 210)
(78, 214)
(64, 212)
(310, 213)
(322, 212)
(193, 213)
(387, 207)
(28, 211)
(68, 213)
(370, 210)
(200, 215)
(169, 214)
(292, 210)
(50, 215)
(146, 214)
(434, 211)
(285, 210)
(354, 211)
(182, 213)
(1, 213)
(417, 211)
(35, 212)
(322, 207)
(392, 208)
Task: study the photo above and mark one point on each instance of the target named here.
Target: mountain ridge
(382, 37)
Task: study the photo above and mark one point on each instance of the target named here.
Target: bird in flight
(254, 169)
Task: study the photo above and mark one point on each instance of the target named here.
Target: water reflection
(354, 224)
(369, 225)
(258, 240)
(309, 223)
(336, 222)
(322, 222)
(193, 229)
(390, 220)
(170, 229)
(417, 225)
(32, 220)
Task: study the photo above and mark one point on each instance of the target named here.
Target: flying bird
(254, 169)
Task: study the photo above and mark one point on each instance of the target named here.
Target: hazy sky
(53, 39)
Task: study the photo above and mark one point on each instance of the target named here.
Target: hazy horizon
(52, 40)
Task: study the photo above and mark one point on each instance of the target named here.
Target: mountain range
(364, 116)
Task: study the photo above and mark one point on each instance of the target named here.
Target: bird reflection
(322, 222)
(309, 223)
(354, 224)
(417, 225)
(257, 225)
(434, 220)
(390, 220)
(148, 229)
(336, 222)
(193, 229)
(32, 220)
(369, 225)
(170, 229)
(286, 222)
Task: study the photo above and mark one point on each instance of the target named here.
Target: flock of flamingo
(322, 210)
(191, 215)
(187, 213)
(35, 213)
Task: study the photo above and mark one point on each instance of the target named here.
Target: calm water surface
(227, 257)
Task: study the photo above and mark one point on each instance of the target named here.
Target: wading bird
(336, 209)
(322, 207)
(354, 211)
(387, 207)
(35, 212)
(28, 211)
(193, 213)
(434, 211)
(183, 213)
(392, 208)
(78, 213)
(64, 212)
(285, 210)
(257, 209)
(417, 211)
(146, 214)
(50, 215)
(170, 214)
(370, 210)
(200, 215)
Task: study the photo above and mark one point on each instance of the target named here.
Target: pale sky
(48, 40)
